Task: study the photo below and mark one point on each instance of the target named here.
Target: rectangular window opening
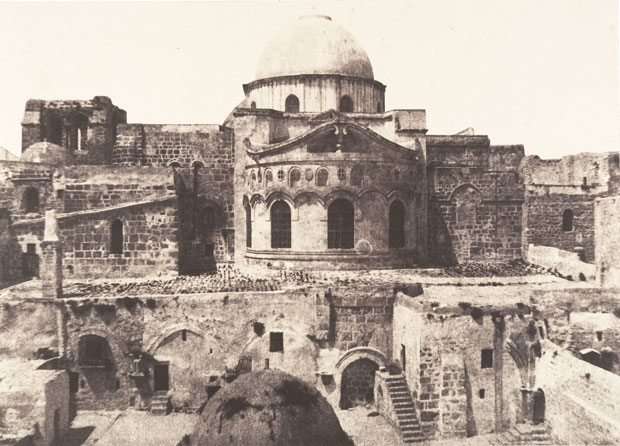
(276, 341)
(486, 358)
(481, 393)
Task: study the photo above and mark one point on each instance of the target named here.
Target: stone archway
(357, 368)
(357, 385)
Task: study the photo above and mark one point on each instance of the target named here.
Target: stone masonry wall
(542, 220)
(475, 202)
(149, 246)
(607, 240)
(580, 399)
(160, 144)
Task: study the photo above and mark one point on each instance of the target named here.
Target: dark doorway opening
(160, 377)
(539, 407)
(358, 383)
(403, 357)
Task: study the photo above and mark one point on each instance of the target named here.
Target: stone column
(51, 258)
(498, 368)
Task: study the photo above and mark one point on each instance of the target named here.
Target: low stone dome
(314, 45)
(44, 152)
(267, 408)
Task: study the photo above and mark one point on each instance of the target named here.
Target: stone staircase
(160, 403)
(524, 434)
(404, 407)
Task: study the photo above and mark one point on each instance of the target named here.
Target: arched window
(567, 220)
(291, 105)
(208, 218)
(280, 225)
(268, 177)
(321, 177)
(31, 200)
(78, 133)
(346, 104)
(248, 225)
(253, 105)
(357, 172)
(340, 226)
(294, 177)
(397, 225)
(116, 237)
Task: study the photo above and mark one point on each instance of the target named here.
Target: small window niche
(486, 361)
(276, 341)
(481, 393)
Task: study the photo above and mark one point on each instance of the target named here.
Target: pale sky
(543, 73)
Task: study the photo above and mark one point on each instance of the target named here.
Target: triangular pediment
(330, 115)
(335, 136)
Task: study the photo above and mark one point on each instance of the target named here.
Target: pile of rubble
(505, 268)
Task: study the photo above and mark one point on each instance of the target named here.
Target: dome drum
(317, 93)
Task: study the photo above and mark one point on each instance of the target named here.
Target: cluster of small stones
(506, 268)
(231, 279)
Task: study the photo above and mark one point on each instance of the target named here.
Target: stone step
(399, 404)
(398, 392)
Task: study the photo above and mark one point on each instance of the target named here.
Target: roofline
(255, 83)
(75, 214)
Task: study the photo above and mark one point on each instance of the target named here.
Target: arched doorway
(538, 415)
(358, 383)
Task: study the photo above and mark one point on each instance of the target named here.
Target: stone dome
(268, 408)
(314, 45)
(44, 152)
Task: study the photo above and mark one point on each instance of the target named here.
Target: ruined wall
(580, 399)
(570, 183)
(543, 214)
(566, 263)
(583, 318)
(607, 240)
(475, 202)
(58, 121)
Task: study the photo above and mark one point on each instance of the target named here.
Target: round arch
(283, 196)
(356, 353)
(366, 192)
(117, 345)
(299, 199)
(461, 188)
(338, 194)
(172, 329)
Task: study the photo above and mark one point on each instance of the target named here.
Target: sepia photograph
(310, 223)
